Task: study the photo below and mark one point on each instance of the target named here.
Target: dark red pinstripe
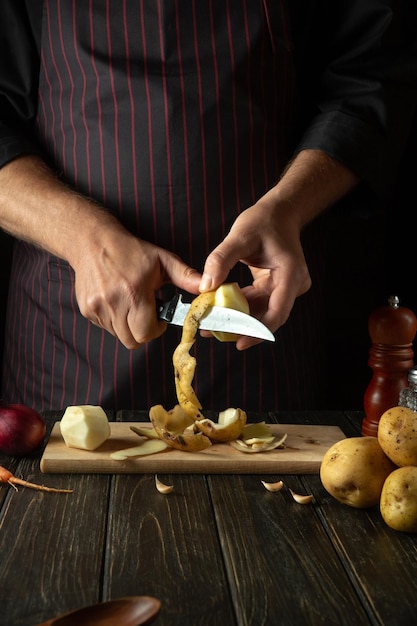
(52, 357)
(250, 112)
(185, 137)
(98, 100)
(71, 99)
(235, 126)
(89, 369)
(132, 112)
(82, 103)
(167, 130)
(59, 78)
(74, 343)
(201, 129)
(44, 108)
(65, 360)
(218, 118)
(115, 106)
(33, 270)
(150, 125)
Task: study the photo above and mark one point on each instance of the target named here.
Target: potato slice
(85, 426)
(150, 446)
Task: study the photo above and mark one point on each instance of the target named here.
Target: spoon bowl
(129, 611)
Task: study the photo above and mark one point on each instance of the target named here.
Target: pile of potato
(367, 471)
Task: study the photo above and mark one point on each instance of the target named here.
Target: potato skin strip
(184, 363)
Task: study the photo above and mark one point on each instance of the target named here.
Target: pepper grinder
(392, 330)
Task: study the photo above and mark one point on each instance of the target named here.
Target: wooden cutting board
(303, 453)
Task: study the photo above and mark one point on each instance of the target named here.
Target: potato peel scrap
(151, 446)
(299, 498)
(186, 439)
(162, 488)
(262, 446)
(273, 486)
(150, 433)
(228, 428)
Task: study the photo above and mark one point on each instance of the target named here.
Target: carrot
(7, 477)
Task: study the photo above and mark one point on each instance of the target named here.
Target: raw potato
(399, 500)
(230, 296)
(354, 470)
(85, 426)
(397, 435)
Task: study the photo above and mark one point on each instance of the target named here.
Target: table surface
(219, 549)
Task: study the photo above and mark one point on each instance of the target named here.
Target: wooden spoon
(129, 611)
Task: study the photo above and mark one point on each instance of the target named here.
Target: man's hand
(267, 238)
(115, 288)
(116, 274)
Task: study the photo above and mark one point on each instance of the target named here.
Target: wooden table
(220, 550)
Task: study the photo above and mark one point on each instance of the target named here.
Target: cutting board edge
(189, 464)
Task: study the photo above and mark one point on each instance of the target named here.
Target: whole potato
(397, 435)
(354, 469)
(398, 503)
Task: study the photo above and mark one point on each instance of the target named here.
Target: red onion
(22, 429)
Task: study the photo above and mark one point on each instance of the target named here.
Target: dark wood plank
(167, 546)
(51, 546)
(282, 568)
(381, 563)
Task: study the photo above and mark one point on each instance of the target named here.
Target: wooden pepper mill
(392, 330)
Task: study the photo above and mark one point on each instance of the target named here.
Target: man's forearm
(311, 184)
(36, 207)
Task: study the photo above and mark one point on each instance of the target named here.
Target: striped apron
(174, 115)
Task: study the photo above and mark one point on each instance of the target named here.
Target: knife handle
(165, 310)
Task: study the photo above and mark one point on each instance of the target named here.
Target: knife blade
(216, 318)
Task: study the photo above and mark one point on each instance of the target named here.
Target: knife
(216, 318)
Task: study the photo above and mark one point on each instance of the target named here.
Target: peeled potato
(230, 296)
(85, 426)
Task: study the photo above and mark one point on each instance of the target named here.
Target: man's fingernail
(206, 283)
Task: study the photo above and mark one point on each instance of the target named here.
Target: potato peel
(162, 488)
(184, 363)
(240, 445)
(186, 439)
(149, 433)
(229, 430)
(277, 486)
(301, 499)
(273, 486)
